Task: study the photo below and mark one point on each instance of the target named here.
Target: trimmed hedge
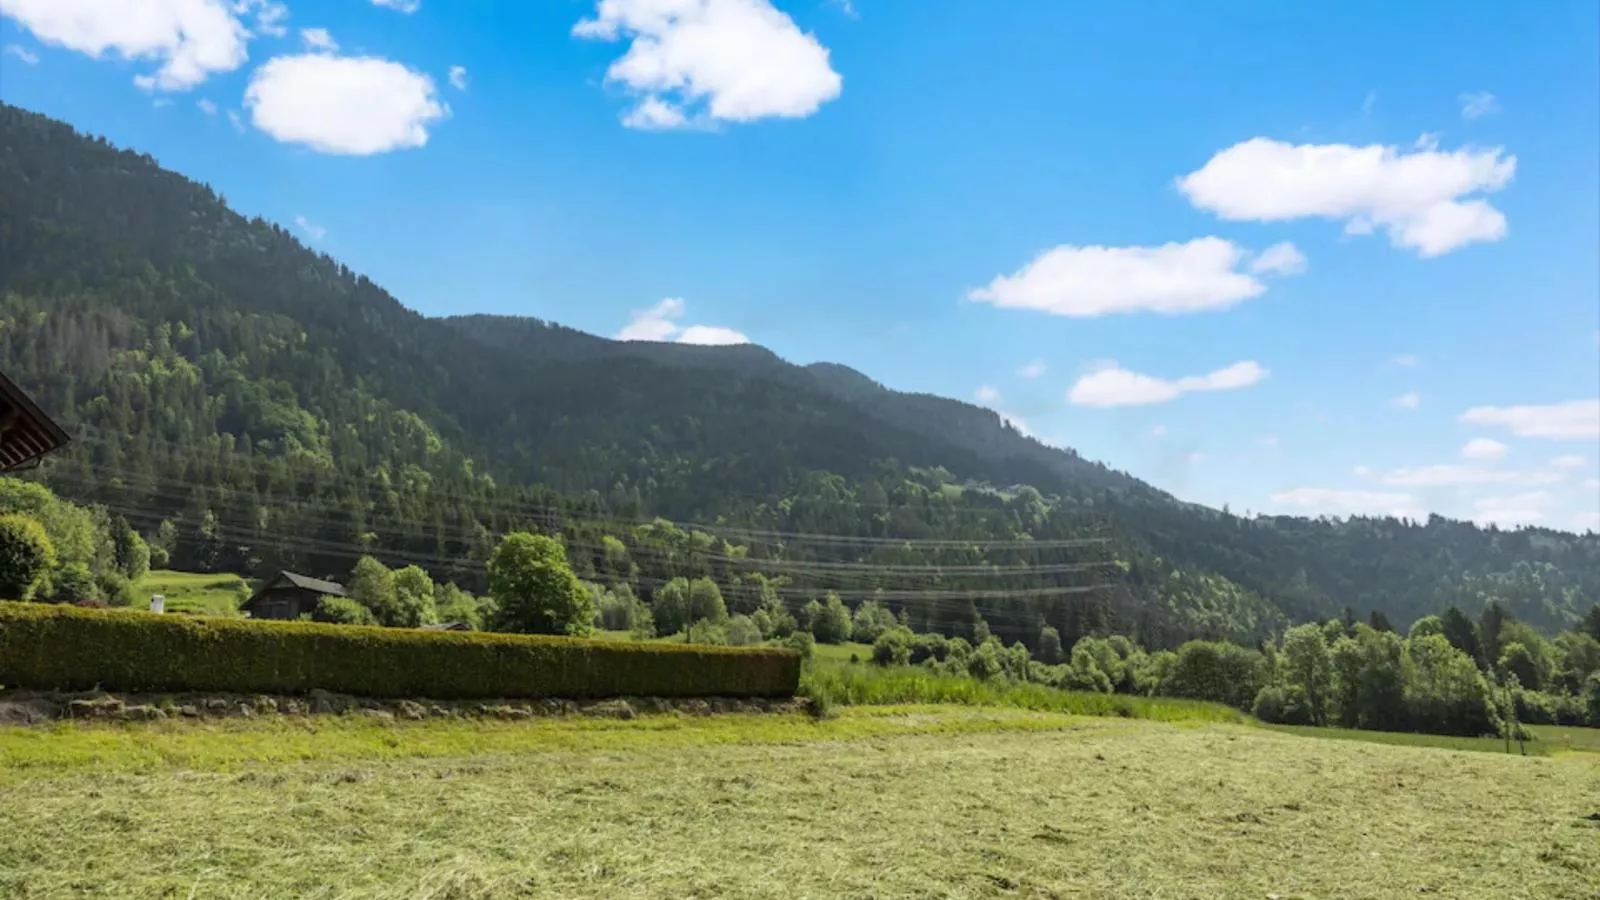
(65, 648)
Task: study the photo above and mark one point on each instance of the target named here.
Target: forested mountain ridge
(281, 410)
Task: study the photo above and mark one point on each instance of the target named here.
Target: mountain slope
(281, 410)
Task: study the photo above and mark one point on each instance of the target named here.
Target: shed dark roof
(26, 433)
(316, 585)
(446, 626)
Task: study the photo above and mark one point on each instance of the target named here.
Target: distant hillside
(281, 410)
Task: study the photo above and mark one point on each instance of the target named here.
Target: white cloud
(655, 114)
(847, 7)
(1116, 386)
(345, 105)
(1483, 449)
(1268, 440)
(1586, 521)
(319, 39)
(1422, 199)
(235, 121)
(1452, 475)
(1361, 471)
(269, 15)
(1573, 419)
(1200, 275)
(1158, 431)
(1330, 501)
(1193, 456)
(1478, 104)
(1517, 509)
(28, 57)
(1282, 258)
(312, 230)
(1406, 360)
(1033, 369)
(190, 40)
(1568, 461)
(405, 6)
(711, 336)
(658, 323)
(987, 393)
(206, 106)
(727, 60)
(458, 77)
(1406, 401)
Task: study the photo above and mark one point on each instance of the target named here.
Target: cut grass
(950, 802)
(193, 592)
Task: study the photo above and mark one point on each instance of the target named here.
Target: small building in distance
(290, 596)
(446, 626)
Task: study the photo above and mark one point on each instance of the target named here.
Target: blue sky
(1293, 259)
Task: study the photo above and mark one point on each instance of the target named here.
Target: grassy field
(877, 802)
(193, 592)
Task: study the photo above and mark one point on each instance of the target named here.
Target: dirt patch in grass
(874, 803)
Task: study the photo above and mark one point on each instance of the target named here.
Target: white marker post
(158, 603)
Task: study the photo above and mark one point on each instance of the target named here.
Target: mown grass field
(1547, 740)
(193, 592)
(876, 802)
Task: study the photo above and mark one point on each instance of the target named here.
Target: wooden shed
(26, 433)
(290, 596)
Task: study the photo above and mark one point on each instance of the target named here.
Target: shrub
(342, 611)
(893, 647)
(1283, 705)
(63, 648)
(1216, 671)
(802, 643)
(707, 632)
(73, 583)
(742, 632)
(828, 622)
(26, 552)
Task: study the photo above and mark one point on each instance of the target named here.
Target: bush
(1283, 706)
(742, 632)
(707, 632)
(535, 587)
(342, 611)
(73, 583)
(802, 643)
(893, 647)
(26, 552)
(1216, 671)
(63, 648)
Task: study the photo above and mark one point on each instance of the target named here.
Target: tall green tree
(536, 589)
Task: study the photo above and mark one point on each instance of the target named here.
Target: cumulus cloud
(28, 57)
(1033, 369)
(1517, 509)
(405, 6)
(1282, 258)
(354, 106)
(1478, 104)
(189, 40)
(1329, 501)
(458, 77)
(1568, 461)
(206, 106)
(724, 60)
(1200, 275)
(659, 323)
(1116, 386)
(312, 230)
(1572, 419)
(1406, 401)
(1423, 198)
(987, 393)
(1483, 449)
(319, 39)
